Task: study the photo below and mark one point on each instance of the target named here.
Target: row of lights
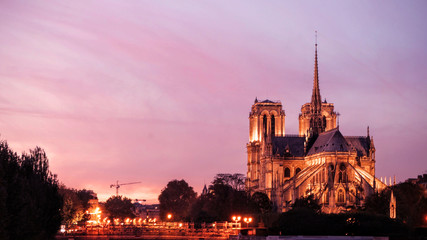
(127, 221)
(236, 219)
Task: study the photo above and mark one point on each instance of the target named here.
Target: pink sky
(152, 91)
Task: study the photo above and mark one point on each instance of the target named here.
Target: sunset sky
(152, 91)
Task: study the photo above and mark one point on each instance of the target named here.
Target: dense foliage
(226, 197)
(411, 203)
(75, 205)
(176, 199)
(309, 202)
(119, 207)
(235, 181)
(29, 200)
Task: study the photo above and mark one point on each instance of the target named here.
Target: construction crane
(117, 186)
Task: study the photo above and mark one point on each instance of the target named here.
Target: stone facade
(338, 170)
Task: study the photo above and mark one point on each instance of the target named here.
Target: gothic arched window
(297, 171)
(324, 123)
(264, 125)
(287, 172)
(273, 125)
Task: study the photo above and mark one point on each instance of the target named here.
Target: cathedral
(337, 170)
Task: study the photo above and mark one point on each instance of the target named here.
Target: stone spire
(317, 122)
(316, 100)
(392, 205)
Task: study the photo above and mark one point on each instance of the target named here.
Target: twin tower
(267, 118)
(339, 171)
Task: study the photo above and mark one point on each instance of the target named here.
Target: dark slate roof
(360, 144)
(330, 141)
(288, 146)
(268, 101)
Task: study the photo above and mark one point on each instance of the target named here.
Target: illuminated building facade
(338, 170)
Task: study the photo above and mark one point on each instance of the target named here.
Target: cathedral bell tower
(316, 116)
(266, 121)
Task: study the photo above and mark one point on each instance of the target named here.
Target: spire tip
(315, 37)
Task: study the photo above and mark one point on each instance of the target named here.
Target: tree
(236, 180)
(70, 207)
(29, 203)
(309, 202)
(119, 207)
(226, 197)
(261, 202)
(75, 205)
(84, 197)
(176, 199)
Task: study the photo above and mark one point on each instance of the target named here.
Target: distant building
(338, 170)
(95, 212)
(144, 211)
(205, 190)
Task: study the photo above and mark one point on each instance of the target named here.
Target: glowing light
(247, 220)
(236, 218)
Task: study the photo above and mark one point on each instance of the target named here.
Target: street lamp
(247, 220)
(236, 219)
(169, 216)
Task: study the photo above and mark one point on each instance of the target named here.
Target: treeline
(225, 197)
(33, 205)
(29, 200)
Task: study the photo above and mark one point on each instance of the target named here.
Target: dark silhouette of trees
(119, 207)
(236, 180)
(226, 198)
(176, 199)
(309, 202)
(29, 200)
(225, 201)
(411, 204)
